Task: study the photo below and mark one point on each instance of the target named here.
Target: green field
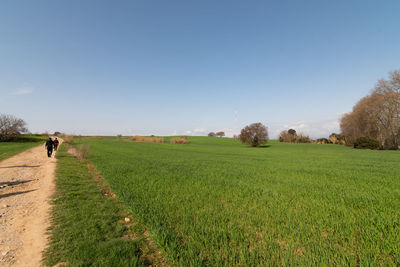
(9, 149)
(86, 227)
(216, 202)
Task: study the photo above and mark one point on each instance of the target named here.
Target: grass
(216, 202)
(88, 229)
(24, 142)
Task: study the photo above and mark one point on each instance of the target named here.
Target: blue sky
(190, 67)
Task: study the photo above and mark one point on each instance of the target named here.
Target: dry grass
(144, 139)
(179, 140)
(67, 138)
(81, 151)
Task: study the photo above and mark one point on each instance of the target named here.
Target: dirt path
(26, 186)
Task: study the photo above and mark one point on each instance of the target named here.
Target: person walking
(49, 146)
(55, 144)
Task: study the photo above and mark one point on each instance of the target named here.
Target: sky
(190, 67)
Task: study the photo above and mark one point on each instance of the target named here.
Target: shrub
(337, 139)
(67, 138)
(138, 138)
(301, 138)
(285, 136)
(212, 134)
(366, 143)
(179, 140)
(322, 141)
(291, 136)
(82, 151)
(254, 134)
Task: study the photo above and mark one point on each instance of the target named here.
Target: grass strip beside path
(88, 228)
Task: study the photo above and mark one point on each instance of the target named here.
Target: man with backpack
(49, 146)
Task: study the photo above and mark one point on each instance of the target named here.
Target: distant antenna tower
(236, 122)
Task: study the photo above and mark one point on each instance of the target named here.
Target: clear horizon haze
(192, 67)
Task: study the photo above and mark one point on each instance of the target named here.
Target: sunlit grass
(217, 202)
(87, 228)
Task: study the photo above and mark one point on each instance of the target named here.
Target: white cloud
(200, 131)
(24, 90)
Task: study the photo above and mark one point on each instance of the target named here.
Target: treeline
(375, 119)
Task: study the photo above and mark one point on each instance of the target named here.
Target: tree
(220, 133)
(11, 127)
(212, 134)
(254, 134)
(292, 131)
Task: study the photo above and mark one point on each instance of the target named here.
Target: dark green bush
(366, 143)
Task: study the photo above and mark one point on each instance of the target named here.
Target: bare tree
(254, 134)
(220, 133)
(284, 136)
(11, 127)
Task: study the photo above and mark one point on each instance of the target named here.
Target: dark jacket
(49, 144)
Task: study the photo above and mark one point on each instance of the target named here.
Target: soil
(26, 187)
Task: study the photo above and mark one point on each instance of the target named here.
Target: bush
(212, 134)
(291, 136)
(337, 139)
(138, 138)
(254, 134)
(82, 151)
(322, 141)
(179, 140)
(67, 138)
(366, 143)
(301, 138)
